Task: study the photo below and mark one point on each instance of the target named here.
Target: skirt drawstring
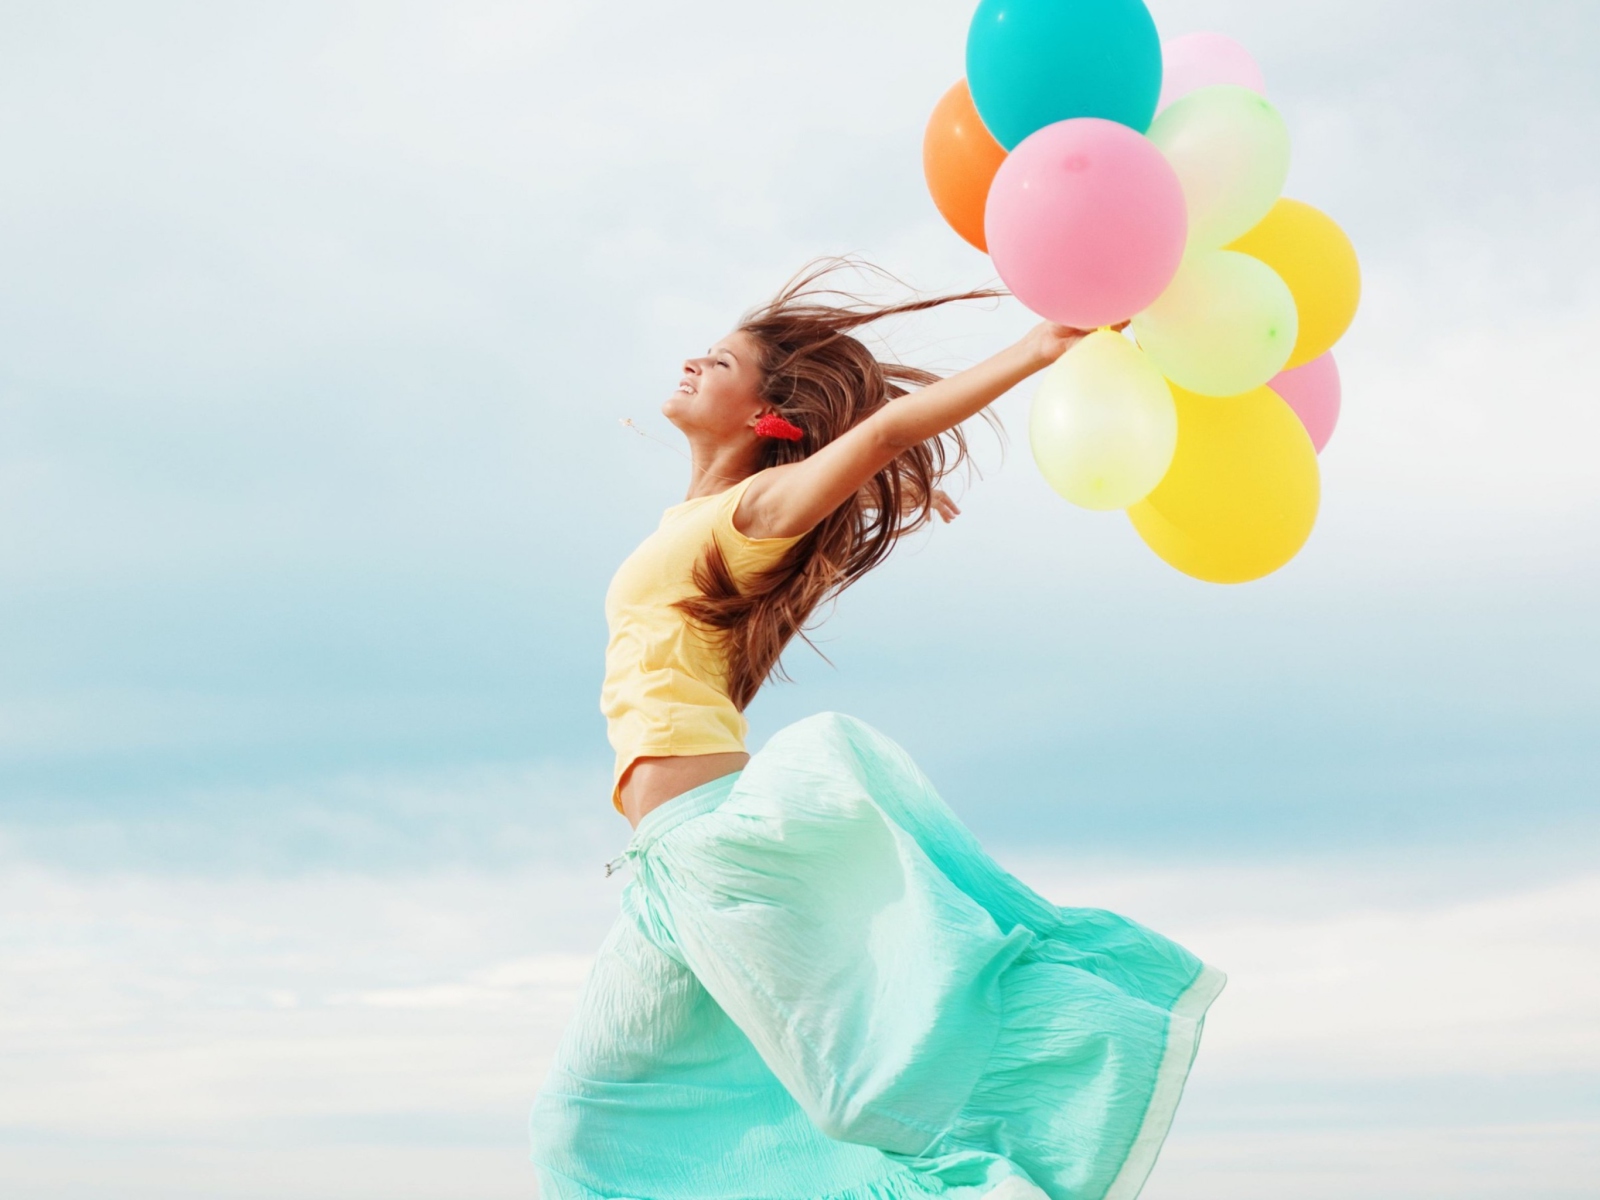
(674, 812)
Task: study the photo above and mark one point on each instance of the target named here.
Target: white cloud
(1555, 1160)
(1326, 983)
(516, 983)
(198, 1022)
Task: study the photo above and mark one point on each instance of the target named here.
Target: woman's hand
(939, 503)
(1048, 341)
(944, 506)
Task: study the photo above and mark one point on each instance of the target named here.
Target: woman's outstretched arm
(789, 500)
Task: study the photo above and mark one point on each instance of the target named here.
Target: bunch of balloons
(1115, 179)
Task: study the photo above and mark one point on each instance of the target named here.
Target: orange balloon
(959, 158)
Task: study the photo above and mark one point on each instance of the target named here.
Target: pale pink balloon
(1086, 222)
(1198, 60)
(1313, 392)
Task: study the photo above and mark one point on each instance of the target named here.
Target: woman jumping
(820, 986)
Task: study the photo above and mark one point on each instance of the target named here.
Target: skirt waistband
(673, 813)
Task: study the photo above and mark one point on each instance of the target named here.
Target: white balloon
(1227, 324)
(1230, 149)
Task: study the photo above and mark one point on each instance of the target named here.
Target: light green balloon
(1225, 325)
(1103, 425)
(1230, 149)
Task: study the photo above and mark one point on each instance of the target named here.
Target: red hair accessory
(774, 426)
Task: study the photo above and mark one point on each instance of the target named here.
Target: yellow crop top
(665, 691)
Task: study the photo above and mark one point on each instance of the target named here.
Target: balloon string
(629, 422)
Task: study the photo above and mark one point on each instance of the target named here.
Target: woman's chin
(673, 409)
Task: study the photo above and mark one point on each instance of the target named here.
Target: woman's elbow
(891, 437)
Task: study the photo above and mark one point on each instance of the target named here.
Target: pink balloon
(1313, 392)
(1198, 60)
(1086, 222)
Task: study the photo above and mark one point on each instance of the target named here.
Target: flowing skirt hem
(1183, 1042)
(903, 1185)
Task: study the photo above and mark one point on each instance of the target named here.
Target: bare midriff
(651, 782)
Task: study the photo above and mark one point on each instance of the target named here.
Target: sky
(317, 323)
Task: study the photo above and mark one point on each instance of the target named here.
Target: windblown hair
(825, 381)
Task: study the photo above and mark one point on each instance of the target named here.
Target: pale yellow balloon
(1225, 324)
(1314, 257)
(1241, 496)
(1103, 425)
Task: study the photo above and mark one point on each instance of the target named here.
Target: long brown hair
(825, 381)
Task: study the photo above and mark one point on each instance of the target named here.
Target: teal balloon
(1031, 63)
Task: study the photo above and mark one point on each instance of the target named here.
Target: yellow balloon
(1317, 261)
(1241, 495)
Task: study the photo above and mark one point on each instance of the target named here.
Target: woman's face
(719, 394)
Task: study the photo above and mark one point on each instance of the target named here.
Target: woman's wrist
(1030, 355)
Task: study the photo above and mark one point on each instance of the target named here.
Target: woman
(820, 986)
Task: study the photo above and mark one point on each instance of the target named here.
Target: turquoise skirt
(821, 988)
